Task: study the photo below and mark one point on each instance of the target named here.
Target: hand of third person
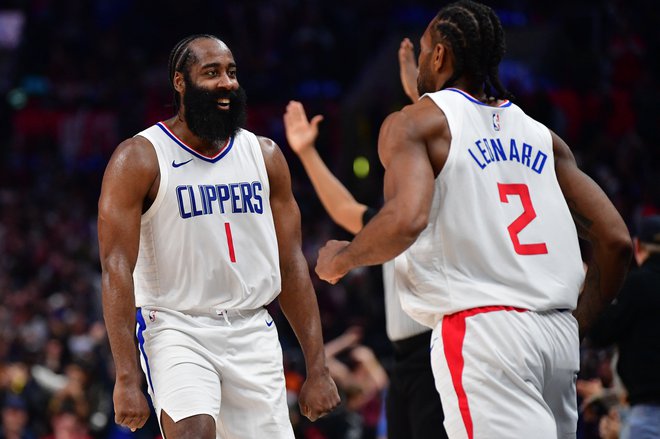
(300, 132)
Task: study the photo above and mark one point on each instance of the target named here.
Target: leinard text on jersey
(204, 199)
(493, 150)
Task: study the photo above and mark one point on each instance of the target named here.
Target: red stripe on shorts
(453, 334)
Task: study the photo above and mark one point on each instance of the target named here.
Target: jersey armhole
(162, 185)
(440, 100)
(259, 159)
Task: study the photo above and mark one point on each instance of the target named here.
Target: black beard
(204, 118)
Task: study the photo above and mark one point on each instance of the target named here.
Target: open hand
(408, 69)
(300, 132)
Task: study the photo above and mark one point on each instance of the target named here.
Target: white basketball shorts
(228, 366)
(506, 373)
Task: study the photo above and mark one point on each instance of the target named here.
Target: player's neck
(477, 92)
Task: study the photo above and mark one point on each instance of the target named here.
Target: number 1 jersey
(499, 232)
(208, 240)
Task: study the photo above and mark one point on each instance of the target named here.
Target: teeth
(223, 101)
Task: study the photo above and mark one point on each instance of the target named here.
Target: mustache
(232, 95)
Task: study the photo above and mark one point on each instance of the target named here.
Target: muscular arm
(297, 298)
(598, 222)
(336, 199)
(128, 178)
(408, 190)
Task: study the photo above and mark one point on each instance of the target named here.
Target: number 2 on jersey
(523, 220)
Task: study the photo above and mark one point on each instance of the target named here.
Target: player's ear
(439, 57)
(179, 83)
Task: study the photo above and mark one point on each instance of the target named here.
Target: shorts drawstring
(223, 313)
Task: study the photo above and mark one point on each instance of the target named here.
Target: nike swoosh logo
(269, 324)
(176, 165)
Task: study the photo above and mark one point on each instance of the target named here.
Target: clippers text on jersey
(203, 199)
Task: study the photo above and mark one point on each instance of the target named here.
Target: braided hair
(475, 35)
(181, 59)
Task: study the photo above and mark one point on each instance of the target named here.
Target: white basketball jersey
(499, 232)
(208, 240)
(398, 324)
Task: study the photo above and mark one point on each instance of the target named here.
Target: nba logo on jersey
(496, 121)
(152, 316)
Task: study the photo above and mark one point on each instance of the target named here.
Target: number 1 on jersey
(523, 220)
(230, 242)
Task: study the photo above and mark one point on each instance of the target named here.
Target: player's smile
(224, 104)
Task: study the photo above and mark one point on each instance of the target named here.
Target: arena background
(77, 77)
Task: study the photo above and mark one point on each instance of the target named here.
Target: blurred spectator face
(14, 415)
(67, 426)
(14, 377)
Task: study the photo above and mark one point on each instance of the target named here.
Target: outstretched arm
(128, 179)
(408, 69)
(408, 193)
(336, 199)
(598, 222)
(318, 395)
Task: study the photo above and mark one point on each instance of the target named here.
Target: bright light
(361, 167)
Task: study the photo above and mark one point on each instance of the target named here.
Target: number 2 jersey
(208, 240)
(499, 232)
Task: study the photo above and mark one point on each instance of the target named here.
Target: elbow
(624, 248)
(619, 245)
(410, 227)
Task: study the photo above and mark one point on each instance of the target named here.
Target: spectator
(15, 418)
(631, 322)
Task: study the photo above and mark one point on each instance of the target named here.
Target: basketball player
(199, 230)
(479, 199)
(413, 408)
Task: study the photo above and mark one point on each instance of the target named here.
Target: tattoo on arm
(582, 222)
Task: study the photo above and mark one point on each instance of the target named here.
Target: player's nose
(227, 82)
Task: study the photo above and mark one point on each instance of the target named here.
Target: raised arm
(408, 190)
(598, 222)
(318, 395)
(129, 178)
(408, 69)
(336, 199)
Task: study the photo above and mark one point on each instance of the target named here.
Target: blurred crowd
(77, 77)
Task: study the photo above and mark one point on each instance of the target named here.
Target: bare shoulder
(560, 149)
(421, 119)
(272, 153)
(422, 124)
(428, 117)
(268, 147)
(276, 165)
(132, 171)
(134, 154)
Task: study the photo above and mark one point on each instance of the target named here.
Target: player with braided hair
(483, 207)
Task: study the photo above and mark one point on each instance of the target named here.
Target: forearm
(605, 275)
(298, 303)
(335, 198)
(383, 238)
(119, 315)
